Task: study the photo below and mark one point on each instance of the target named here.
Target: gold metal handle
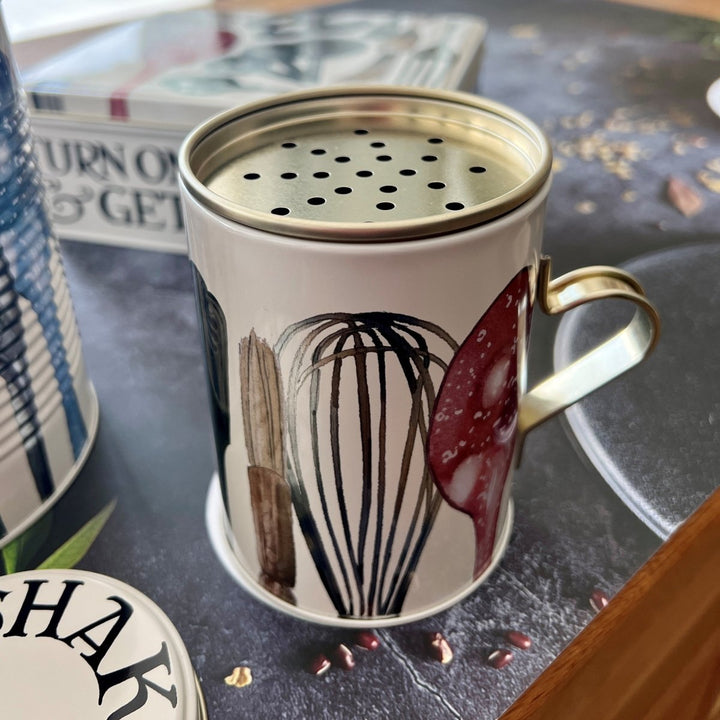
(613, 357)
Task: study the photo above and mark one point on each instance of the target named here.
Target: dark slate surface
(572, 532)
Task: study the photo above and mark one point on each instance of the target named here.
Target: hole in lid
(321, 174)
(388, 189)
(342, 159)
(429, 158)
(454, 206)
(384, 158)
(289, 145)
(251, 176)
(318, 151)
(280, 211)
(477, 169)
(360, 132)
(364, 173)
(343, 190)
(288, 175)
(407, 172)
(377, 144)
(385, 206)
(436, 185)
(316, 201)
(435, 141)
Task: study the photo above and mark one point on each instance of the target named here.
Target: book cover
(110, 113)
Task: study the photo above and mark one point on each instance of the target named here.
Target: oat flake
(586, 207)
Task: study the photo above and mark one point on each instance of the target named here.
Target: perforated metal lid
(364, 163)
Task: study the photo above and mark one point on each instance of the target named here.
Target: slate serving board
(654, 434)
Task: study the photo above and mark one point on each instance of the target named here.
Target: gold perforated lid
(366, 163)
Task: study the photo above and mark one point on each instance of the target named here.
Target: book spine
(112, 184)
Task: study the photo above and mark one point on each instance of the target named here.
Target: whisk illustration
(362, 492)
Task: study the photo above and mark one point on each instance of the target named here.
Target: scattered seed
(619, 125)
(681, 117)
(679, 147)
(684, 198)
(558, 165)
(526, 32)
(598, 600)
(439, 648)
(320, 665)
(713, 165)
(367, 640)
(240, 677)
(586, 207)
(711, 182)
(500, 658)
(518, 639)
(647, 63)
(629, 196)
(343, 657)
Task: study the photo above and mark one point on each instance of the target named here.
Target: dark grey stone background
(572, 533)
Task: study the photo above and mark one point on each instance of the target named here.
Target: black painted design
(15, 374)
(366, 560)
(215, 346)
(30, 245)
(91, 636)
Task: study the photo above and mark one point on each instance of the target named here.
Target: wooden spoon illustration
(472, 431)
(270, 497)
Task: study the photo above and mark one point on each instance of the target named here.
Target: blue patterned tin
(48, 408)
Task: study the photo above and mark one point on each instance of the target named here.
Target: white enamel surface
(226, 550)
(20, 503)
(44, 677)
(266, 282)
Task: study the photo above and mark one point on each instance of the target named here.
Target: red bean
(343, 657)
(367, 640)
(598, 600)
(500, 658)
(320, 665)
(518, 639)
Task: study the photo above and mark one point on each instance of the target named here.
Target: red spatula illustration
(472, 429)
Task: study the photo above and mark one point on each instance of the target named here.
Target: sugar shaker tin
(75, 644)
(48, 407)
(367, 260)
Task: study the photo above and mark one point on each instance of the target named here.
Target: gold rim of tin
(234, 134)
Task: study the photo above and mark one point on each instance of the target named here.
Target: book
(109, 114)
